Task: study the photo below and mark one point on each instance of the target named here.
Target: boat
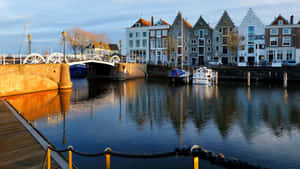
(78, 71)
(178, 76)
(203, 75)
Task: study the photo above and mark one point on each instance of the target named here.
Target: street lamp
(120, 42)
(29, 43)
(64, 34)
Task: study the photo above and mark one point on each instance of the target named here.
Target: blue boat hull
(78, 71)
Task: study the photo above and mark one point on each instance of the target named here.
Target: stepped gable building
(179, 41)
(252, 47)
(220, 36)
(147, 42)
(283, 40)
(201, 42)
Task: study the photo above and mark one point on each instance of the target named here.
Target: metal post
(29, 44)
(107, 157)
(64, 34)
(49, 158)
(70, 159)
(195, 151)
(249, 79)
(217, 78)
(285, 79)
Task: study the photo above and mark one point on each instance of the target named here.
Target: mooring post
(217, 77)
(285, 79)
(249, 79)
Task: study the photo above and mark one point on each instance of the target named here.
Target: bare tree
(233, 42)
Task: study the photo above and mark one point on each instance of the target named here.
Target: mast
(24, 37)
(182, 41)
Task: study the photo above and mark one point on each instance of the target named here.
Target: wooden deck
(18, 148)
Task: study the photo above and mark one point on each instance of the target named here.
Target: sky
(48, 18)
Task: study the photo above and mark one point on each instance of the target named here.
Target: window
(217, 48)
(279, 55)
(251, 49)
(131, 43)
(261, 46)
(201, 34)
(201, 51)
(273, 41)
(158, 43)
(224, 40)
(201, 42)
(206, 32)
(152, 33)
(138, 25)
(193, 50)
(164, 43)
(289, 55)
(217, 39)
(251, 30)
(137, 43)
(274, 31)
(225, 51)
(251, 39)
(152, 43)
(208, 41)
(130, 35)
(208, 49)
(144, 43)
(158, 33)
(286, 41)
(165, 32)
(179, 50)
(280, 22)
(286, 31)
(144, 34)
(220, 30)
(225, 31)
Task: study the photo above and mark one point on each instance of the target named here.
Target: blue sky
(47, 18)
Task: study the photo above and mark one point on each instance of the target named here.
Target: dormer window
(280, 22)
(138, 24)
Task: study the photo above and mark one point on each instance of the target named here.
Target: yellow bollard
(196, 162)
(70, 159)
(49, 158)
(107, 158)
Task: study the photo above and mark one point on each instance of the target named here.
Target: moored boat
(203, 75)
(78, 70)
(178, 76)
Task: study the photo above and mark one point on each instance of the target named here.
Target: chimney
(292, 19)
(152, 20)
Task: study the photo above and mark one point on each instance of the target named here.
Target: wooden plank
(18, 148)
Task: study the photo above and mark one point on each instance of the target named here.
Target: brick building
(283, 40)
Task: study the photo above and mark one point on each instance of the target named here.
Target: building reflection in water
(153, 103)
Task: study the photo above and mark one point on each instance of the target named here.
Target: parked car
(291, 63)
(284, 63)
(263, 63)
(215, 63)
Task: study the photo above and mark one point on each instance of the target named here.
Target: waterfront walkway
(18, 148)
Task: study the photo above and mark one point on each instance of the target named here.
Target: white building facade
(147, 42)
(252, 46)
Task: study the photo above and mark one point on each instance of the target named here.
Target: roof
(279, 17)
(225, 20)
(113, 46)
(164, 22)
(142, 23)
(188, 24)
(201, 23)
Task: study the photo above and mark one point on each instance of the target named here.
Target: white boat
(203, 75)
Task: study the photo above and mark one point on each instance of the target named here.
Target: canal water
(259, 125)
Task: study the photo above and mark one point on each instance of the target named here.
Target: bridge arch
(56, 58)
(115, 59)
(34, 58)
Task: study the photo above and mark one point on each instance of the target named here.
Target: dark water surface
(258, 125)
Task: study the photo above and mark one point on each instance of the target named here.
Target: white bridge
(36, 58)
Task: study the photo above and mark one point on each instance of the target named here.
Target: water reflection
(232, 119)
